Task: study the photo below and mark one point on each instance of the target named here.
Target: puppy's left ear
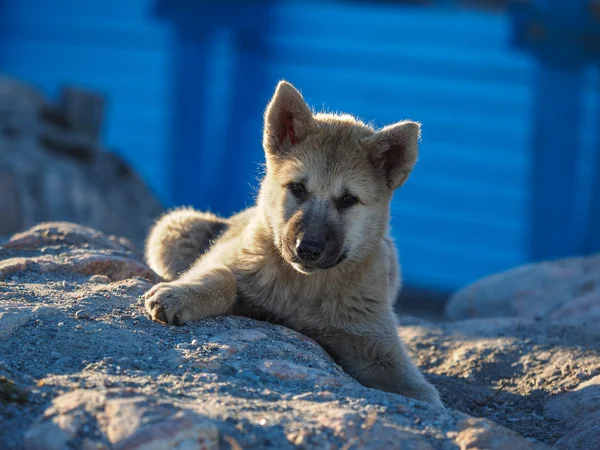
(393, 151)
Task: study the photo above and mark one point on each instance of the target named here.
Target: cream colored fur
(248, 264)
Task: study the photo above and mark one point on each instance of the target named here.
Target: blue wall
(187, 113)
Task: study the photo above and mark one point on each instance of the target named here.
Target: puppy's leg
(380, 360)
(211, 293)
(178, 238)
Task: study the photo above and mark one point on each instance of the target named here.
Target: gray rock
(82, 314)
(53, 168)
(82, 110)
(231, 382)
(567, 290)
(510, 370)
(579, 410)
(78, 249)
(577, 405)
(584, 436)
(126, 422)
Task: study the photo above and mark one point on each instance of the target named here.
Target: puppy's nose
(310, 250)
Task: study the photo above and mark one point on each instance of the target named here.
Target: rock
(508, 370)
(82, 314)
(10, 204)
(101, 279)
(53, 167)
(579, 410)
(83, 110)
(563, 299)
(577, 405)
(232, 382)
(49, 436)
(566, 290)
(18, 97)
(64, 234)
(84, 251)
(584, 436)
(478, 434)
(125, 422)
(12, 317)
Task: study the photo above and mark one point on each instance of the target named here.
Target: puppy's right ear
(288, 119)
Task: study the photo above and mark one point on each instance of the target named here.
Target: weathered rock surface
(85, 368)
(564, 290)
(509, 370)
(53, 168)
(558, 303)
(580, 410)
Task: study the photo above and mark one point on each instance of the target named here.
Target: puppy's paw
(170, 303)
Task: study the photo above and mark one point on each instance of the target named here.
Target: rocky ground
(82, 367)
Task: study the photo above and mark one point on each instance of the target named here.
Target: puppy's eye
(348, 200)
(297, 189)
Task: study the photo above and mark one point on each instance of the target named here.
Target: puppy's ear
(393, 151)
(288, 119)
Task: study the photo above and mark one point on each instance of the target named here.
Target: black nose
(309, 250)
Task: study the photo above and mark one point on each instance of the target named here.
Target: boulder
(566, 290)
(52, 166)
(579, 410)
(87, 369)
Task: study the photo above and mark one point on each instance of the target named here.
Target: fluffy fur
(313, 254)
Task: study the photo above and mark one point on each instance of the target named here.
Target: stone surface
(579, 410)
(566, 290)
(116, 380)
(59, 246)
(578, 405)
(584, 436)
(561, 302)
(507, 369)
(53, 168)
(123, 421)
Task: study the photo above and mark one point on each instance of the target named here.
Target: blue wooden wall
(188, 114)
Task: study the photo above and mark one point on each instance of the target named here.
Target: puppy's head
(329, 181)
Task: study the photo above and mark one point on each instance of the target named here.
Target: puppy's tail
(178, 238)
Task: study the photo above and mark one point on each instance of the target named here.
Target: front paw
(169, 303)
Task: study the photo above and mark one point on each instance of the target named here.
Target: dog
(313, 254)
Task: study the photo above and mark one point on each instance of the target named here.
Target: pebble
(101, 279)
(82, 314)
